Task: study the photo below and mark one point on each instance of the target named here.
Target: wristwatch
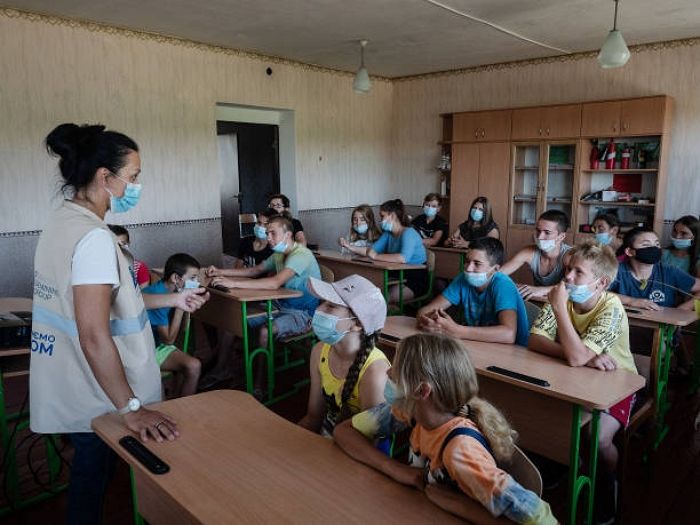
(132, 405)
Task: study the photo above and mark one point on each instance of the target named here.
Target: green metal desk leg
(138, 520)
(246, 349)
(577, 481)
(461, 262)
(386, 286)
(270, 353)
(664, 364)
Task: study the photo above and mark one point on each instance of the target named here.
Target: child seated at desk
(254, 249)
(180, 273)
(684, 251)
(586, 325)
(291, 264)
(458, 439)
(644, 282)
(431, 226)
(347, 370)
(363, 230)
(546, 258)
(493, 308)
(280, 203)
(143, 276)
(479, 224)
(606, 227)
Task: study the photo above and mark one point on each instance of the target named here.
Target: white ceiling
(407, 37)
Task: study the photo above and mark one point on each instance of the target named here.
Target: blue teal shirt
(662, 287)
(408, 244)
(303, 263)
(482, 308)
(158, 316)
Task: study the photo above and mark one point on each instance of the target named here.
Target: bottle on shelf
(610, 155)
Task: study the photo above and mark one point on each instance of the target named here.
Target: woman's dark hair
(693, 224)
(280, 196)
(396, 207)
(488, 215)
(368, 344)
(84, 149)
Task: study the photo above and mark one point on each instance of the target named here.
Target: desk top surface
(364, 262)
(245, 294)
(448, 249)
(238, 461)
(583, 386)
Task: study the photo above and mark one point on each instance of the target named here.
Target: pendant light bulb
(362, 83)
(614, 52)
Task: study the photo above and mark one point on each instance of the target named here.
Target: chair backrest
(245, 219)
(532, 312)
(525, 472)
(326, 273)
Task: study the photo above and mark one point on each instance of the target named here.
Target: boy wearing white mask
(493, 309)
(291, 265)
(348, 372)
(586, 325)
(547, 257)
(431, 226)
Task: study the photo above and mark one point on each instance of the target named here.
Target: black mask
(648, 255)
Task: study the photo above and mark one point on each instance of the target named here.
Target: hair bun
(66, 138)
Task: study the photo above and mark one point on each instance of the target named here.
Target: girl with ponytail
(458, 440)
(348, 373)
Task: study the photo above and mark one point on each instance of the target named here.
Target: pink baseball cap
(356, 293)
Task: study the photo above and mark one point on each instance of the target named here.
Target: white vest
(64, 395)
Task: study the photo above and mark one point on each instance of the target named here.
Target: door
(464, 183)
(250, 167)
(601, 119)
(494, 169)
(527, 124)
(561, 122)
(643, 116)
(493, 125)
(465, 127)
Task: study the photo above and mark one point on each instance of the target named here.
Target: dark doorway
(249, 156)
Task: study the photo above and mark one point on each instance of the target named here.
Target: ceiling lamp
(614, 52)
(362, 83)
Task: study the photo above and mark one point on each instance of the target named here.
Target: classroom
(344, 235)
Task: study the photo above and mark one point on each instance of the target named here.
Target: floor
(664, 491)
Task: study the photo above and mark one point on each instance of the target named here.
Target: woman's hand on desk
(192, 299)
(344, 242)
(151, 423)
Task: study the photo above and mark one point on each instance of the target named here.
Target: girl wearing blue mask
(363, 230)
(684, 250)
(348, 372)
(479, 224)
(606, 228)
(431, 226)
(254, 249)
(400, 244)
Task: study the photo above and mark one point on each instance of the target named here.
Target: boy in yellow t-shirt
(586, 325)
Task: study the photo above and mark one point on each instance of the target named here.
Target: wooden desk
(229, 311)
(548, 419)
(449, 262)
(238, 462)
(377, 272)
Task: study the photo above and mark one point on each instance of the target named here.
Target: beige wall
(164, 95)
(671, 71)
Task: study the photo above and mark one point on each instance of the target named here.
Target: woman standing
(93, 350)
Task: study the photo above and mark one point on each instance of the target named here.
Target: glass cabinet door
(526, 183)
(559, 177)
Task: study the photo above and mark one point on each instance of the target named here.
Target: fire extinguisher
(625, 163)
(610, 156)
(594, 158)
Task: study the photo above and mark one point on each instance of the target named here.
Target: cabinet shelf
(527, 167)
(643, 170)
(612, 204)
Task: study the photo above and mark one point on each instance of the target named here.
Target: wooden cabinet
(481, 126)
(547, 122)
(480, 170)
(640, 116)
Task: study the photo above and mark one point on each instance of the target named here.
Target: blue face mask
(132, 194)
(361, 228)
(387, 226)
(476, 214)
(280, 247)
(324, 326)
(477, 279)
(260, 232)
(580, 293)
(191, 283)
(603, 237)
(429, 211)
(681, 244)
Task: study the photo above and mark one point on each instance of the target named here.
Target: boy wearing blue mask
(348, 372)
(254, 249)
(290, 267)
(493, 309)
(546, 258)
(181, 273)
(586, 325)
(431, 226)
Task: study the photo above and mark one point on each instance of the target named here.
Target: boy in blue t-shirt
(645, 282)
(494, 311)
(292, 264)
(180, 272)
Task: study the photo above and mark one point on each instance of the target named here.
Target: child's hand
(223, 281)
(603, 362)
(528, 291)
(343, 242)
(191, 299)
(558, 296)
(644, 304)
(427, 321)
(213, 271)
(445, 322)
(406, 475)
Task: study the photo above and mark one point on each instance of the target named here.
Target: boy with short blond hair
(586, 325)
